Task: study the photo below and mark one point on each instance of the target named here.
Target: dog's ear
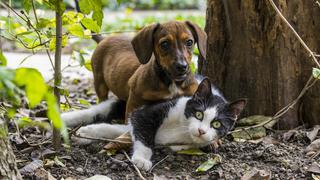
(143, 43)
(200, 37)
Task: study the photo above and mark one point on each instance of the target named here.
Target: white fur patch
(174, 91)
(109, 131)
(141, 156)
(75, 118)
(174, 128)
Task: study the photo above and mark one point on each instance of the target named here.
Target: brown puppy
(153, 66)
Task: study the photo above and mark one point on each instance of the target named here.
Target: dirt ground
(279, 154)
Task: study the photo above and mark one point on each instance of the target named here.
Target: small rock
(98, 177)
(79, 169)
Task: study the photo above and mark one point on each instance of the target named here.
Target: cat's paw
(142, 163)
(82, 132)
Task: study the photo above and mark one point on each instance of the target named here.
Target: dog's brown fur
(128, 67)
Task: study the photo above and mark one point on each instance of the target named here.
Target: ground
(278, 153)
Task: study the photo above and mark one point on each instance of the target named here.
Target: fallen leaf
(255, 120)
(290, 134)
(209, 164)
(256, 174)
(314, 168)
(265, 140)
(156, 177)
(48, 153)
(126, 138)
(315, 177)
(194, 152)
(254, 133)
(48, 163)
(58, 162)
(98, 177)
(313, 134)
(31, 167)
(50, 177)
(314, 146)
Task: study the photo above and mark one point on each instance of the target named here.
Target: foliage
(29, 82)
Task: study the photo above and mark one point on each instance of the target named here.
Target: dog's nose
(181, 67)
(201, 132)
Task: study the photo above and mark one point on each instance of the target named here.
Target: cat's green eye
(216, 124)
(199, 115)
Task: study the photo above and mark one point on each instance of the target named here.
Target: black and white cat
(192, 121)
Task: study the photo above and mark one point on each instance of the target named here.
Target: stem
(57, 70)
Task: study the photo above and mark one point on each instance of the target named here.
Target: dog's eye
(164, 45)
(216, 124)
(189, 43)
(199, 115)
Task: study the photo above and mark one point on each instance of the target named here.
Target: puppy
(151, 67)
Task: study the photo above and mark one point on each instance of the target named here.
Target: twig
(101, 139)
(311, 53)
(135, 167)
(158, 163)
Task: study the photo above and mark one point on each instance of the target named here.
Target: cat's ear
(204, 89)
(237, 106)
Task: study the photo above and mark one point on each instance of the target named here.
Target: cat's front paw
(81, 134)
(142, 163)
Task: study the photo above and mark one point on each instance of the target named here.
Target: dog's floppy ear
(143, 43)
(200, 37)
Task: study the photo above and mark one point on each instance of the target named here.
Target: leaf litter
(281, 154)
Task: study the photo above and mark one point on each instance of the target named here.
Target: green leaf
(34, 84)
(209, 164)
(3, 59)
(25, 121)
(76, 30)
(86, 6)
(27, 5)
(195, 152)
(87, 65)
(90, 24)
(53, 5)
(52, 44)
(54, 116)
(316, 73)
(84, 102)
(43, 22)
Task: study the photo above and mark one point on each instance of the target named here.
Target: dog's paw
(142, 163)
(82, 133)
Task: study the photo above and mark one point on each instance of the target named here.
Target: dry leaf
(31, 167)
(256, 174)
(313, 134)
(314, 146)
(209, 164)
(315, 177)
(314, 168)
(120, 146)
(288, 135)
(196, 152)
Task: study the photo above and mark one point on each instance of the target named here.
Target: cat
(191, 121)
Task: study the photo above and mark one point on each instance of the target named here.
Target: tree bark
(251, 53)
(8, 166)
(57, 69)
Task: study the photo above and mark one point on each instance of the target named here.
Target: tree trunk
(8, 166)
(251, 53)
(57, 69)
